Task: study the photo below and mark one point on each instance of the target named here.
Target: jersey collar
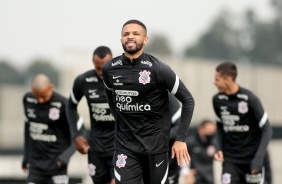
(126, 60)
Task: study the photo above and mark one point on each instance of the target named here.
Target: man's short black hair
(102, 51)
(227, 68)
(134, 21)
(205, 122)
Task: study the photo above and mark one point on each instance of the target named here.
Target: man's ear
(51, 86)
(229, 79)
(145, 40)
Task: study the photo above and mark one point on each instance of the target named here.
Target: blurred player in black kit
(137, 86)
(47, 147)
(100, 146)
(202, 147)
(243, 129)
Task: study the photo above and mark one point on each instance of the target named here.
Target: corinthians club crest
(243, 107)
(144, 77)
(121, 160)
(91, 169)
(54, 113)
(226, 178)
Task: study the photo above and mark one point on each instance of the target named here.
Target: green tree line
(11, 75)
(253, 41)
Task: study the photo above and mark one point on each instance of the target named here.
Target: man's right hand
(219, 156)
(81, 144)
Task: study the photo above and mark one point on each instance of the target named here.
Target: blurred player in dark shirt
(202, 147)
(47, 147)
(100, 146)
(242, 126)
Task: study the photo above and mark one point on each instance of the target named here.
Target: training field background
(196, 74)
(64, 34)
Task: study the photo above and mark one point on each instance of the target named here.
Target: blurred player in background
(47, 143)
(100, 147)
(202, 147)
(242, 126)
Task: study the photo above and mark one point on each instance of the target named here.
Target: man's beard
(132, 51)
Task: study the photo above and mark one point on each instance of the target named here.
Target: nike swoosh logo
(115, 77)
(157, 165)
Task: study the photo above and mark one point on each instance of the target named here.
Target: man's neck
(133, 56)
(233, 88)
(99, 73)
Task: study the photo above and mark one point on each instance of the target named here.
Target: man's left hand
(179, 149)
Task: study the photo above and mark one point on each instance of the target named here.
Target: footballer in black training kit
(47, 147)
(137, 86)
(243, 128)
(100, 146)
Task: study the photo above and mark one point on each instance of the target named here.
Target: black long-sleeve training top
(47, 134)
(243, 127)
(89, 85)
(137, 93)
(175, 112)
